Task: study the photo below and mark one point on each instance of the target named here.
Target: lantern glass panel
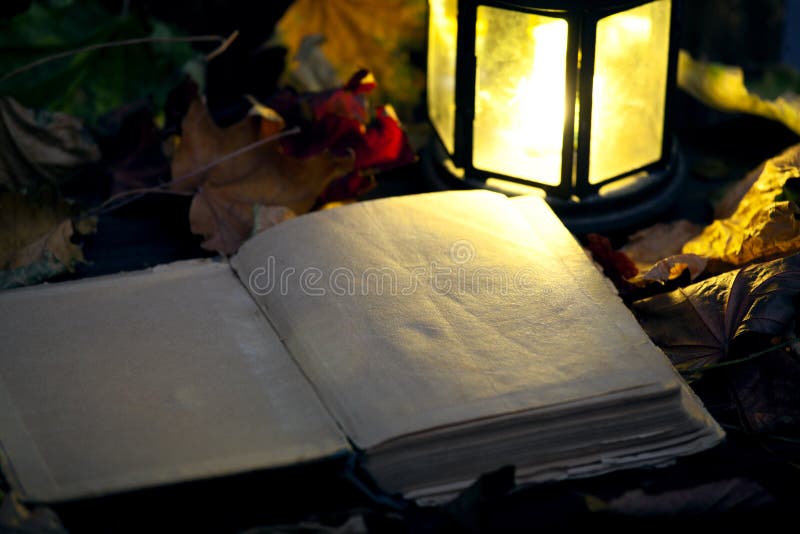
(520, 85)
(442, 31)
(629, 90)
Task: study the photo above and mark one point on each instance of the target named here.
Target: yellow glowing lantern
(568, 96)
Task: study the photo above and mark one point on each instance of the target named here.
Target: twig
(741, 360)
(238, 152)
(224, 46)
(123, 42)
(135, 194)
(119, 200)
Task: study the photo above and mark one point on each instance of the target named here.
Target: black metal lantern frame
(634, 194)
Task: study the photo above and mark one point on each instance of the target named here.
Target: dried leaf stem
(690, 372)
(121, 199)
(224, 43)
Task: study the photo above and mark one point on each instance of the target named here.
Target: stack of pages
(433, 337)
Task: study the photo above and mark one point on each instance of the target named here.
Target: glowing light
(540, 95)
(442, 68)
(520, 90)
(520, 94)
(629, 90)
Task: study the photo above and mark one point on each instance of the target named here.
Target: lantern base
(632, 201)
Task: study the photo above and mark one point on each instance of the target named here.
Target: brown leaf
(23, 221)
(761, 226)
(56, 243)
(41, 147)
(718, 318)
(229, 184)
(650, 245)
(672, 267)
(735, 318)
(373, 34)
(269, 216)
(36, 240)
(767, 393)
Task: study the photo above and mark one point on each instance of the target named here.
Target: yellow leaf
(723, 87)
(374, 34)
(761, 227)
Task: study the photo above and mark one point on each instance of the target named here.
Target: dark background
(154, 230)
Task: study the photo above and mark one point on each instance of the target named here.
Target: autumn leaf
(41, 148)
(762, 226)
(617, 266)
(732, 320)
(338, 120)
(228, 181)
(717, 319)
(268, 216)
(36, 239)
(385, 145)
(729, 203)
(373, 34)
(672, 267)
(723, 87)
(655, 251)
(651, 244)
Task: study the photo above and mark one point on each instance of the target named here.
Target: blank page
(413, 313)
(149, 378)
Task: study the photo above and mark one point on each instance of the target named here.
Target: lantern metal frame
(580, 203)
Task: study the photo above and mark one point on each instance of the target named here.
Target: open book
(434, 337)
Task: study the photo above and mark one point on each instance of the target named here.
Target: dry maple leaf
(729, 318)
(41, 147)
(375, 34)
(651, 244)
(268, 216)
(671, 267)
(713, 320)
(228, 188)
(23, 221)
(36, 240)
(761, 226)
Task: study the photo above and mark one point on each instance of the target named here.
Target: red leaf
(347, 187)
(337, 121)
(617, 266)
(385, 144)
